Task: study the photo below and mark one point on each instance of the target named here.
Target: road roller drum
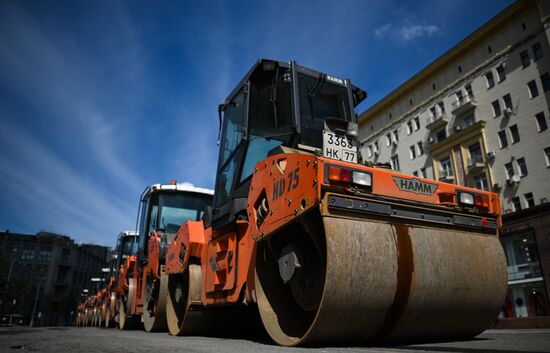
(388, 282)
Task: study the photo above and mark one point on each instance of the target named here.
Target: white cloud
(411, 32)
(405, 32)
(382, 31)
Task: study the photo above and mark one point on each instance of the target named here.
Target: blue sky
(100, 98)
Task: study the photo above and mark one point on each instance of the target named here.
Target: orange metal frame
(290, 185)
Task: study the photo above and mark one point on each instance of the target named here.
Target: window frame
(533, 89)
(538, 118)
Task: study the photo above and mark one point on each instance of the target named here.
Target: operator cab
(276, 104)
(126, 247)
(165, 207)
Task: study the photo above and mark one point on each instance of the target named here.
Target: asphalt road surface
(99, 340)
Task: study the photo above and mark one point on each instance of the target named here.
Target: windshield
(128, 246)
(176, 208)
(270, 117)
(320, 99)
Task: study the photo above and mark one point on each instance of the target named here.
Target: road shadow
(462, 349)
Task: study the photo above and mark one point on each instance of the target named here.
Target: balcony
(463, 104)
(446, 175)
(436, 121)
(475, 163)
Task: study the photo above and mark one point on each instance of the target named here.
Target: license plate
(339, 147)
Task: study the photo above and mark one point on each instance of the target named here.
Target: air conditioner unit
(508, 112)
(491, 154)
(430, 140)
(513, 180)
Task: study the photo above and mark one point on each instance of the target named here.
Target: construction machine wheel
(99, 316)
(110, 311)
(154, 310)
(183, 290)
(127, 321)
(328, 279)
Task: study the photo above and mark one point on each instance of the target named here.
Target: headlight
(466, 199)
(360, 178)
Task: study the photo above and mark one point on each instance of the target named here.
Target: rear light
(473, 200)
(348, 176)
(482, 201)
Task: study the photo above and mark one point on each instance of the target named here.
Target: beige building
(478, 116)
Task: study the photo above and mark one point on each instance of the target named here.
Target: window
(523, 26)
(525, 60)
(441, 107)
(490, 79)
(376, 146)
(509, 168)
(529, 199)
(388, 139)
(481, 182)
(489, 49)
(547, 156)
(545, 80)
(415, 173)
(446, 168)
(410, 101)
(469, 91)
(501, 73)
(422, 172)
(515, 134)
(44, 255)
(420, 148)
(496, 108)
(230, 143)
(537, 51)
(459, 97)
(476, 156)
(412, 152)
(416, 123)
(441, 135)
(459, 68)
(433, 113)
(409, 127)
(541, 121)
(517, 203)
(369, 151)
(395, 135)
(433, 86)
(395, 162)
(522, 167)
(508, 101)
(27, 254)
(502, 139)
(469, 120)
(533, 90)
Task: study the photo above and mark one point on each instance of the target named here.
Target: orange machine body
(289, 185)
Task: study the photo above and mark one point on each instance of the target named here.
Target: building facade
(478, 116)
(55, 267)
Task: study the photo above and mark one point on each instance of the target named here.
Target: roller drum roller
(359, 286)
(385, 282)
(457, 286)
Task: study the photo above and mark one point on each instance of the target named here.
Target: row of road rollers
(355, 281)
